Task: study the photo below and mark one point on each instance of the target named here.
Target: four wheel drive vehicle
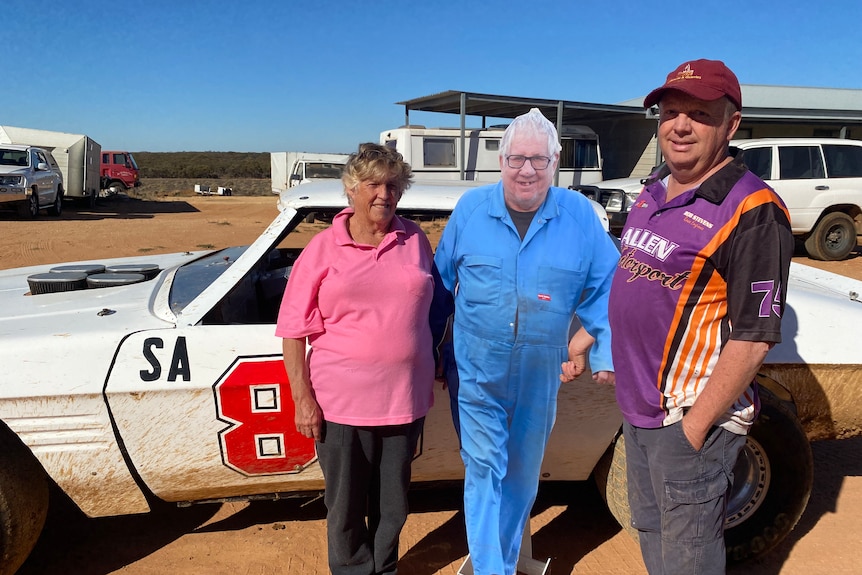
(820, 180)
(616, 196)
(159, 377)
(30, 180)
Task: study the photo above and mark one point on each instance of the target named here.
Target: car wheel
(117, 187)
(772, 481)
(30, 207)
(57, 207)
(23, 503)
(833, 238)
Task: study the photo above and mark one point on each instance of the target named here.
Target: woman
(361, 293)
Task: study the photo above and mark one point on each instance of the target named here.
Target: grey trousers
(678, 497)
(367, 473)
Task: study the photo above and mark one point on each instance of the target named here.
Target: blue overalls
(514, 303)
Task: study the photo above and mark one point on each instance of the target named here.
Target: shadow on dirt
(584, 524)
(120, 207)
(834, 460)
(73, 544)
(124, 207)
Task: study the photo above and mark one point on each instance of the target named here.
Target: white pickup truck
(289, 169)
(159, 377)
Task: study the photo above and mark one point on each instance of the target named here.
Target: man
(708, 246)
(520, 258)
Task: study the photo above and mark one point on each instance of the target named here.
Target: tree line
(200, 165)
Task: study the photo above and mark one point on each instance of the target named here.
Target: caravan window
(579, 154)
(492, 145)
(439, 152)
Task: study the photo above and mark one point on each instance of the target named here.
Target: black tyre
(772, 481)
(117, 187)
(57, 207)
(23, 502)
(30, 207)
(833, 238)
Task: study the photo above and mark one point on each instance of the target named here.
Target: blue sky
(250, 75)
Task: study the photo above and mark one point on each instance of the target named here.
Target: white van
(820, 180)
(435, 153)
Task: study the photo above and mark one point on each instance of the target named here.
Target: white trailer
(290, 169)
(77, 155)
(436, 153)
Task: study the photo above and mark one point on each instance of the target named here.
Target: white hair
(532, 123)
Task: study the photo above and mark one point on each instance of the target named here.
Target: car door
(801, 181)
(45, 179)
(203, 407)
(844, 169)
(206, 412)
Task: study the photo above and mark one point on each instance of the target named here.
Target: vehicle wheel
(833, 238)
(57, 207)
(23, 503)
(772, 481)
(117, 187)
(30, 208)
(610, 478)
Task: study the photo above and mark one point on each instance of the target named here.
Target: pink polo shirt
(365, 312)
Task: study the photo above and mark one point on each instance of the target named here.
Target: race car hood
(123, 308)
(822, 309)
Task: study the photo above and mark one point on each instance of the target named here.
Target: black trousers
(367, 474)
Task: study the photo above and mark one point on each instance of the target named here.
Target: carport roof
(495, 106)
(761, 103)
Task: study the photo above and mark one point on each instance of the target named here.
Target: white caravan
(435, 153)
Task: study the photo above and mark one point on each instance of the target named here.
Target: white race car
(161, 377)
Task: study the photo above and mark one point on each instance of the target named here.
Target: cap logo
(685, 74)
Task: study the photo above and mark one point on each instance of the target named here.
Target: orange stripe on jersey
(702, 339)
(698, 349)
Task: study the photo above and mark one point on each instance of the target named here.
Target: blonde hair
(377, 162)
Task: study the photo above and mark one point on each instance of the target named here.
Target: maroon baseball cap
(702, 79)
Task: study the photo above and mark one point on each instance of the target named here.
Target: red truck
(119, 172)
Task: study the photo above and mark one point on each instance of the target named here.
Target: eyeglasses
(538, 162)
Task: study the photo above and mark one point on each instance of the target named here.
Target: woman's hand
(308, 417)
